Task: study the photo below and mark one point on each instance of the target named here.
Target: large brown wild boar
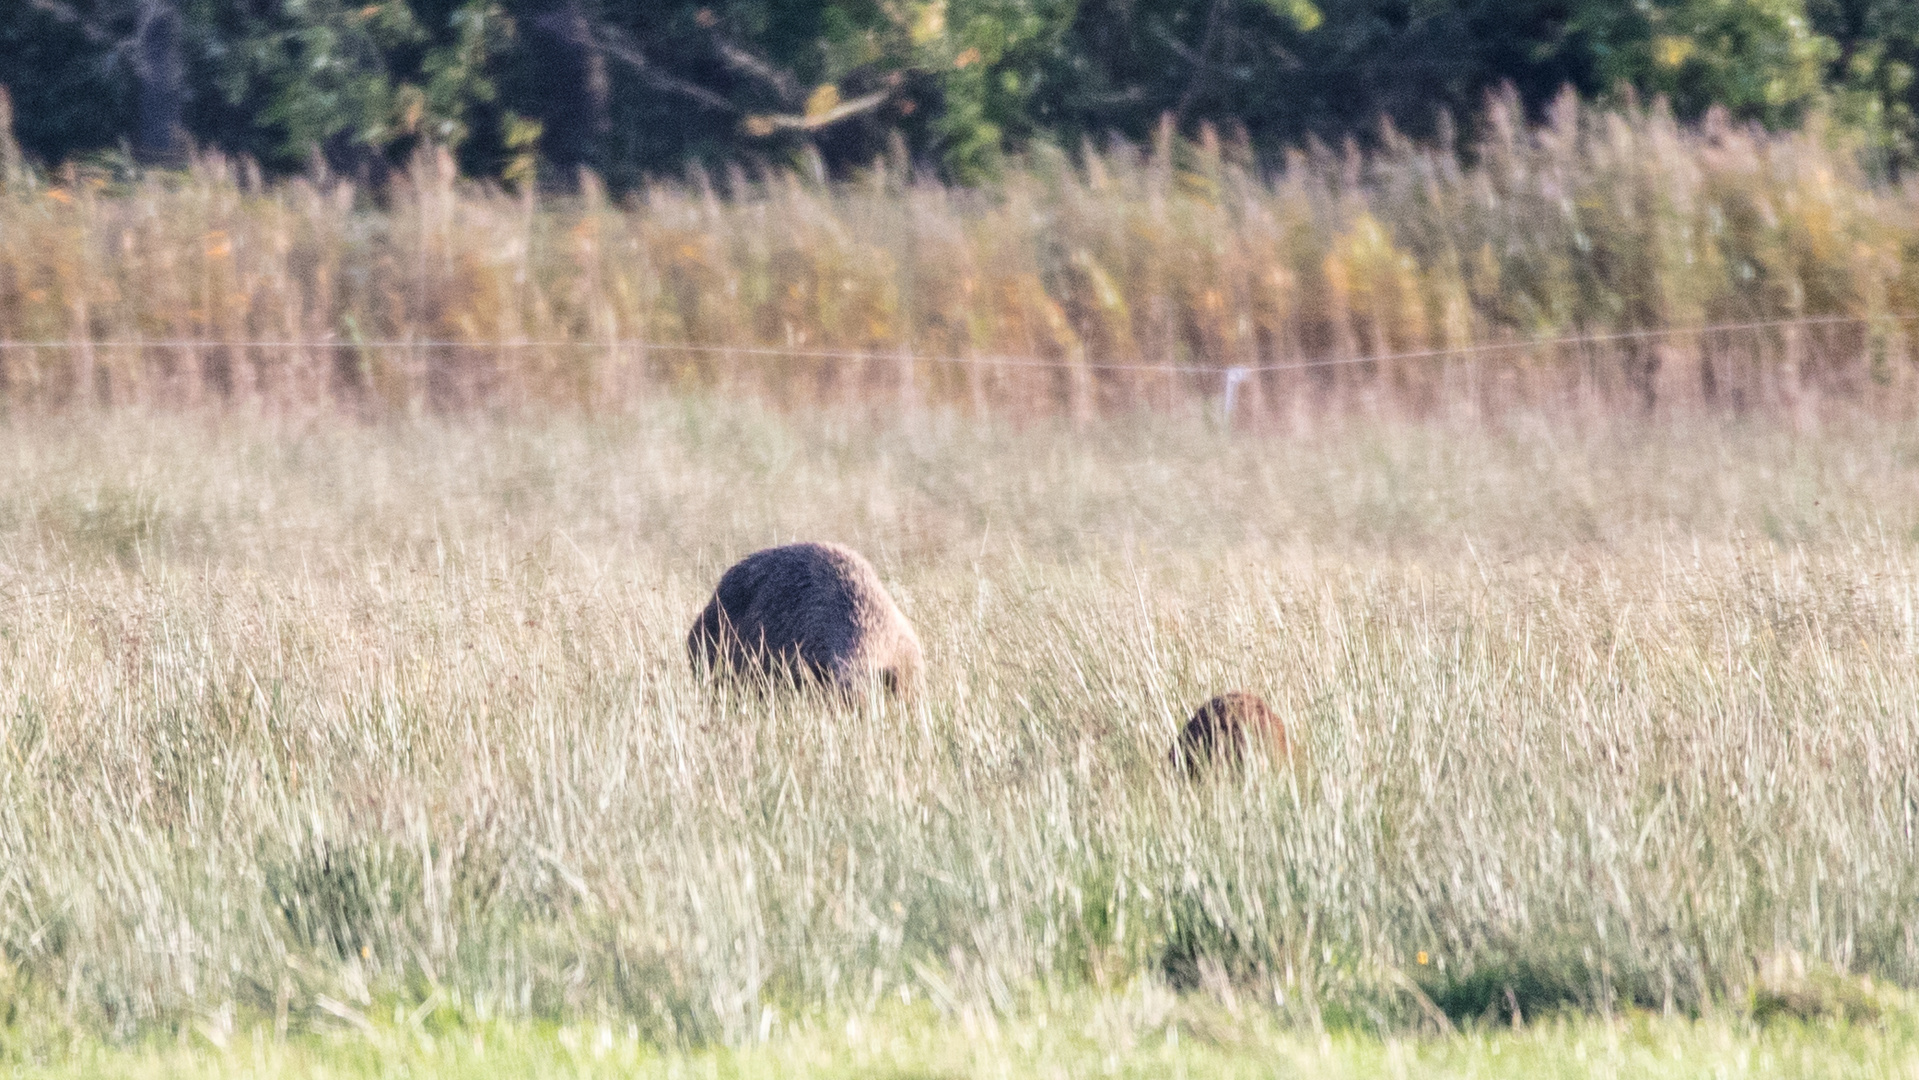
(809, 613)
(1226, 729)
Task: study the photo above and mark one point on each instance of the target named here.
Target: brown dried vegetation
(1578, 260)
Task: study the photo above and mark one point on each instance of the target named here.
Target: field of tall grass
(1560, 489)
(311, 724)
(1609, 256)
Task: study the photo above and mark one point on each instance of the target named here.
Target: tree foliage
(526, 89)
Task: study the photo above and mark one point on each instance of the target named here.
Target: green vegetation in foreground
(310, 724)
(1145, 1033)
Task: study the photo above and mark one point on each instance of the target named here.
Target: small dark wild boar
(1226, 729)
(810, 613)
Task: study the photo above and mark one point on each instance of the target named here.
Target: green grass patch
(1131, 1035)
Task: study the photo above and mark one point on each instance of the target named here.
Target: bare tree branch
(1203, 69)
(611, 41)
(766, 125)
(65, 13)
(617, 45)
(1232, 71)
(1110, 99)
(740, 59)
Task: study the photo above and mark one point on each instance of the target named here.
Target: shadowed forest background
(519, 87)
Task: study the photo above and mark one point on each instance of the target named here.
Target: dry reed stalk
(1126, 281)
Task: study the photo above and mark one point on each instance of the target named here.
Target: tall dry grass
(1121, 279)
(305, 720)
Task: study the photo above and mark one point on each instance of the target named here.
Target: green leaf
(1303, 13)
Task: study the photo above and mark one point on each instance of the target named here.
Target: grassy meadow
(331, 747)
(1560, 489)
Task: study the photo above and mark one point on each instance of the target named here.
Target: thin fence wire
(906, 353)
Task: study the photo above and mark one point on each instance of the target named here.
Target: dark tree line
(526, 88)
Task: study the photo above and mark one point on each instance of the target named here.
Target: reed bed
(1608, 256)
(310, 721)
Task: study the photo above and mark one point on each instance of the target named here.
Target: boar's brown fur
(808, 613)
(1225, 729)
